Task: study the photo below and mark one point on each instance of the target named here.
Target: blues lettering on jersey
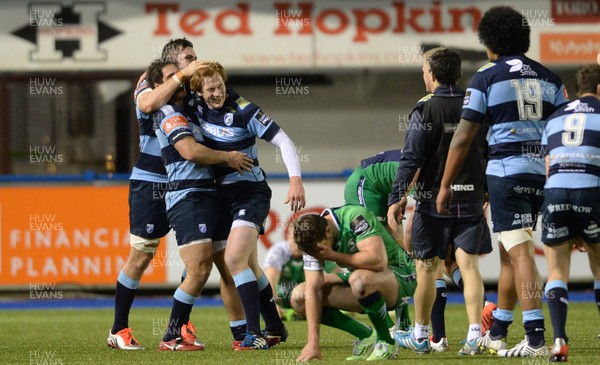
(572, 142)
(514, 96)
(235, 127)
(149, 165)
(174, 124)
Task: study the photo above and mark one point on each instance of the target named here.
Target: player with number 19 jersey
(514, 95)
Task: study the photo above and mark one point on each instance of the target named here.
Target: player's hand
(310, 352)
(486, 201)
(296, 196)
(192, 67)
(323, 252)
(239, 161)
(141, 79)
(395, 213)
(579, 244)
(442, 202)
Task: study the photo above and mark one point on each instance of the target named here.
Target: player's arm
(196, 152)
(151, 101)
(371, 255)
(273, 275)
(296, 195)
(313, 301)
(410, 162)
(459, 148)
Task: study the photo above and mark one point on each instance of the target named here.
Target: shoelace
(189, 335)
(127, 336)
(357, 351)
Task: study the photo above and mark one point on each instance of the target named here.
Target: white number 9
(574, 127)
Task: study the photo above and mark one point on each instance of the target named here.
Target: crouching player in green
(285, 270)
(381, 276)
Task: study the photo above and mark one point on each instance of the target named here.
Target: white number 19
(529, 99)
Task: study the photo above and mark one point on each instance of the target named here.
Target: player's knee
(218, 249)
(360, 283)
(427, 266)
(514, 238)
(142, 244)
(297, 299)
(234, 261)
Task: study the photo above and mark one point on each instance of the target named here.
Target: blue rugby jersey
(514, 96)
(149, 165)
(184, 176)
(572, 141)
(234, 127)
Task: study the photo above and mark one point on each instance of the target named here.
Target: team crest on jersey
(228, 120)
(149, 228)
(359, 225)
(352, 246)
(202, 227)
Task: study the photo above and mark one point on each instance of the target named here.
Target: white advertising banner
(73, 35)
(327, 194)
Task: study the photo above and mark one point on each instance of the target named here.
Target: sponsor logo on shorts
(592, 230)
(528, 190)
(202, 227)
(554, 233)
(522, 219)
(149, 228)
(242, 212)
(568, 207)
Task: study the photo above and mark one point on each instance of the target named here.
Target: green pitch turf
(62, 337)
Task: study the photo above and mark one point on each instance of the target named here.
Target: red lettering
(457, 14)
(286, 16)
(437, 18)
(161, 8)
(343, 21)
(241, 15)
(361, 27)
(412, 20)
(191, 20)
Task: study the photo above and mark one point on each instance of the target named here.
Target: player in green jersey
(284, 268)
(381, 276)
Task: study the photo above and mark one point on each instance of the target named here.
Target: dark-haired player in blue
(514, 96)
(230, 122)
(571, 208)
(148, 224)
(191, 202)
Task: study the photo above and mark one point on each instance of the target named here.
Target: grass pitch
(78, 336)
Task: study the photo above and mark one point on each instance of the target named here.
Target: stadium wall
(78, 236)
